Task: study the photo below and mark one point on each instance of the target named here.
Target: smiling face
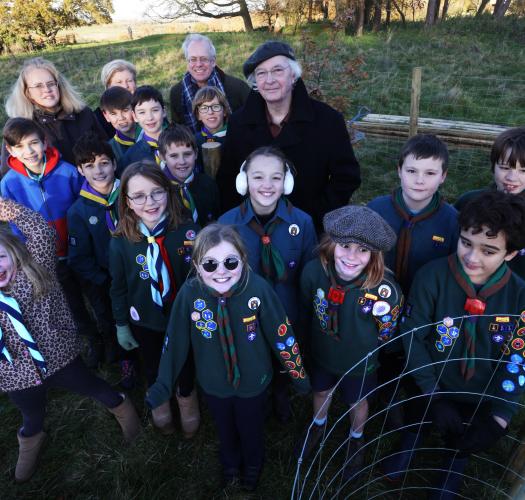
(124, 79)
(212, 120)
(222, 279)
(200, 62)
(481, 255)
(275, 80)
(154, 206)
(150, 116)
(7, 267)
(100, 173)
(420, 179)
(509, 179)
(121, 119)
(180, 160)
(30, 151)
(350, 260)
(265, 183)
(42, 89)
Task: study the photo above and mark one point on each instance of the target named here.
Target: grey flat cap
(264, 52)
(358, 224)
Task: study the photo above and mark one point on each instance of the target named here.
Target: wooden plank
(414, 101)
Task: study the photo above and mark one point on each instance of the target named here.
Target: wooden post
(414, 101)
(211, 157)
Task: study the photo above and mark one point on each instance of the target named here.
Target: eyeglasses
(214, 108)
(210, 265)
(277, 72)
(202, 60)
(157, 195)
(41, 87)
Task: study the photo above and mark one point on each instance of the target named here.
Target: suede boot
(190, 416)
(28, 451)
(128, 419)
(163, 418)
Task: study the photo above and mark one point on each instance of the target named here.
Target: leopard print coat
(48, 319)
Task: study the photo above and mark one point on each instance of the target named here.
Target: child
(463, 325)
(38, 343)
(150, 114)
(231, 318)
(115, 104)
(211, 110)
(290, 238)
(149, 258)
(40, 180)
(349, 301)
(426, 226)
(507, 159)
(197, 192)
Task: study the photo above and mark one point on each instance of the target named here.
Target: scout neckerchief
(336, 297)
(226, 335)
(123, 139)
(154, 144)
(212, 136)
(184, 192)
(157, 260)
(37, 177)
(272, 264)
(475, 304)
(404, 238)
(189, 89)
(10, 306)
(109, 202)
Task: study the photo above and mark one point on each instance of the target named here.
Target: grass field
(472, 70)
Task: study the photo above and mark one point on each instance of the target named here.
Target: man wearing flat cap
(313, 136)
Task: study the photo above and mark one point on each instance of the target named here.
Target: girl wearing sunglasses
(149, 260)
(280, 239)
(231, 318)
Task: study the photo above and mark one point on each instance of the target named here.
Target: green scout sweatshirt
(259, 325)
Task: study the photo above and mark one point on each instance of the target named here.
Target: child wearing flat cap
(352, 304)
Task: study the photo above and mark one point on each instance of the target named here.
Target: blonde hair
(206, 94)
(375, 269)
(18, 103)
(112, 67)
(39, 276)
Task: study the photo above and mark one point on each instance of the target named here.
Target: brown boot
(190, 417)
(128, 419)
(163, 418)
(28, 451)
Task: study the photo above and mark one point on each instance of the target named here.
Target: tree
(215, 9)
(432, 13)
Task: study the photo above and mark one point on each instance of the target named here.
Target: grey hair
(112, 67)
(295, 66)
(196, 37)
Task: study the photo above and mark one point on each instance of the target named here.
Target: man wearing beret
(313, 136)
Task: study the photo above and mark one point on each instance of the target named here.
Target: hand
(482, 434)
(446, 417)
(125, 338)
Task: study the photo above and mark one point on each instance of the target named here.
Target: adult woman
(43, 94)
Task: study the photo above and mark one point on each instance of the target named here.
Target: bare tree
(432, 13)
(500, 7)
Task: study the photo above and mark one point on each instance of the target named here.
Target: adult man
(199, 53)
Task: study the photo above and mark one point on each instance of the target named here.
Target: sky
(129, 9)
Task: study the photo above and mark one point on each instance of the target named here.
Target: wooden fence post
(414, 100)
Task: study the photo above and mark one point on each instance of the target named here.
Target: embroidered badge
(513, 368)
(285, 355)
(190, 234)
(320, 305)
(251, 336)
(287, 321)
(516, 358)
(384, 291)
(140, 259)
(294, 230)
(522, 316)
(502, 319)
(93, 220)
(254, 303)
(370, 296)
(207, 315)
(294, 373)
(438, 239)
(521, 332)
(498, 338)
(280, 346)
(380, 308)
(199, 304)
(251, 326)
(292, 264)
(295, 348)
(290, 342)
(282, 330)
(249, 319)
(290, 365)
(206, 334)
(195, 316)
(134, 314)
(448, 322)
(508, 386)
(518, 344)
(521, 380)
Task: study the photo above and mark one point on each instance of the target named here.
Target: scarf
(10, 306)
(404, 239)
(336, 297)
(189, 89)
(123, 139)
(162, 291)
(475, 305)
(210, 136)
(272, 264)
(184, 192)
(154, 144)
(109, 203)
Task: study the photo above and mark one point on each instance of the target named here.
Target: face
(180, 160)
(124, 79)
(150, 116)
(100, 174)
(30, 151)
(420, 179)
(7, 267)
(350, 260)
(275, 79)
(221, 279)
(509, 179)
(153, 207)
(42, 88)
(200, 62)
(481, 255)
(121, 119)
(265, 183)
(212, 120)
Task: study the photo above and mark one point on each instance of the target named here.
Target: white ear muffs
(288, 180)
(241, 181)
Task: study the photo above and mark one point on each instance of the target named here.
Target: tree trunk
(444, 12)
(500, 8)
(310, 10)
(360, 18)
(481, 7)
(431, 14)
(388, 9)
(245, 14)
(436, 11)
(368, 12)
(400, 12)
(376, 23)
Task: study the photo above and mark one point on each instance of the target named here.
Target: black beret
(358, 224)
(264, 52)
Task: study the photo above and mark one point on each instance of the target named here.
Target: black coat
(314, 139)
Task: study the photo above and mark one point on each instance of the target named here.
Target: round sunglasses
(210, 265)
